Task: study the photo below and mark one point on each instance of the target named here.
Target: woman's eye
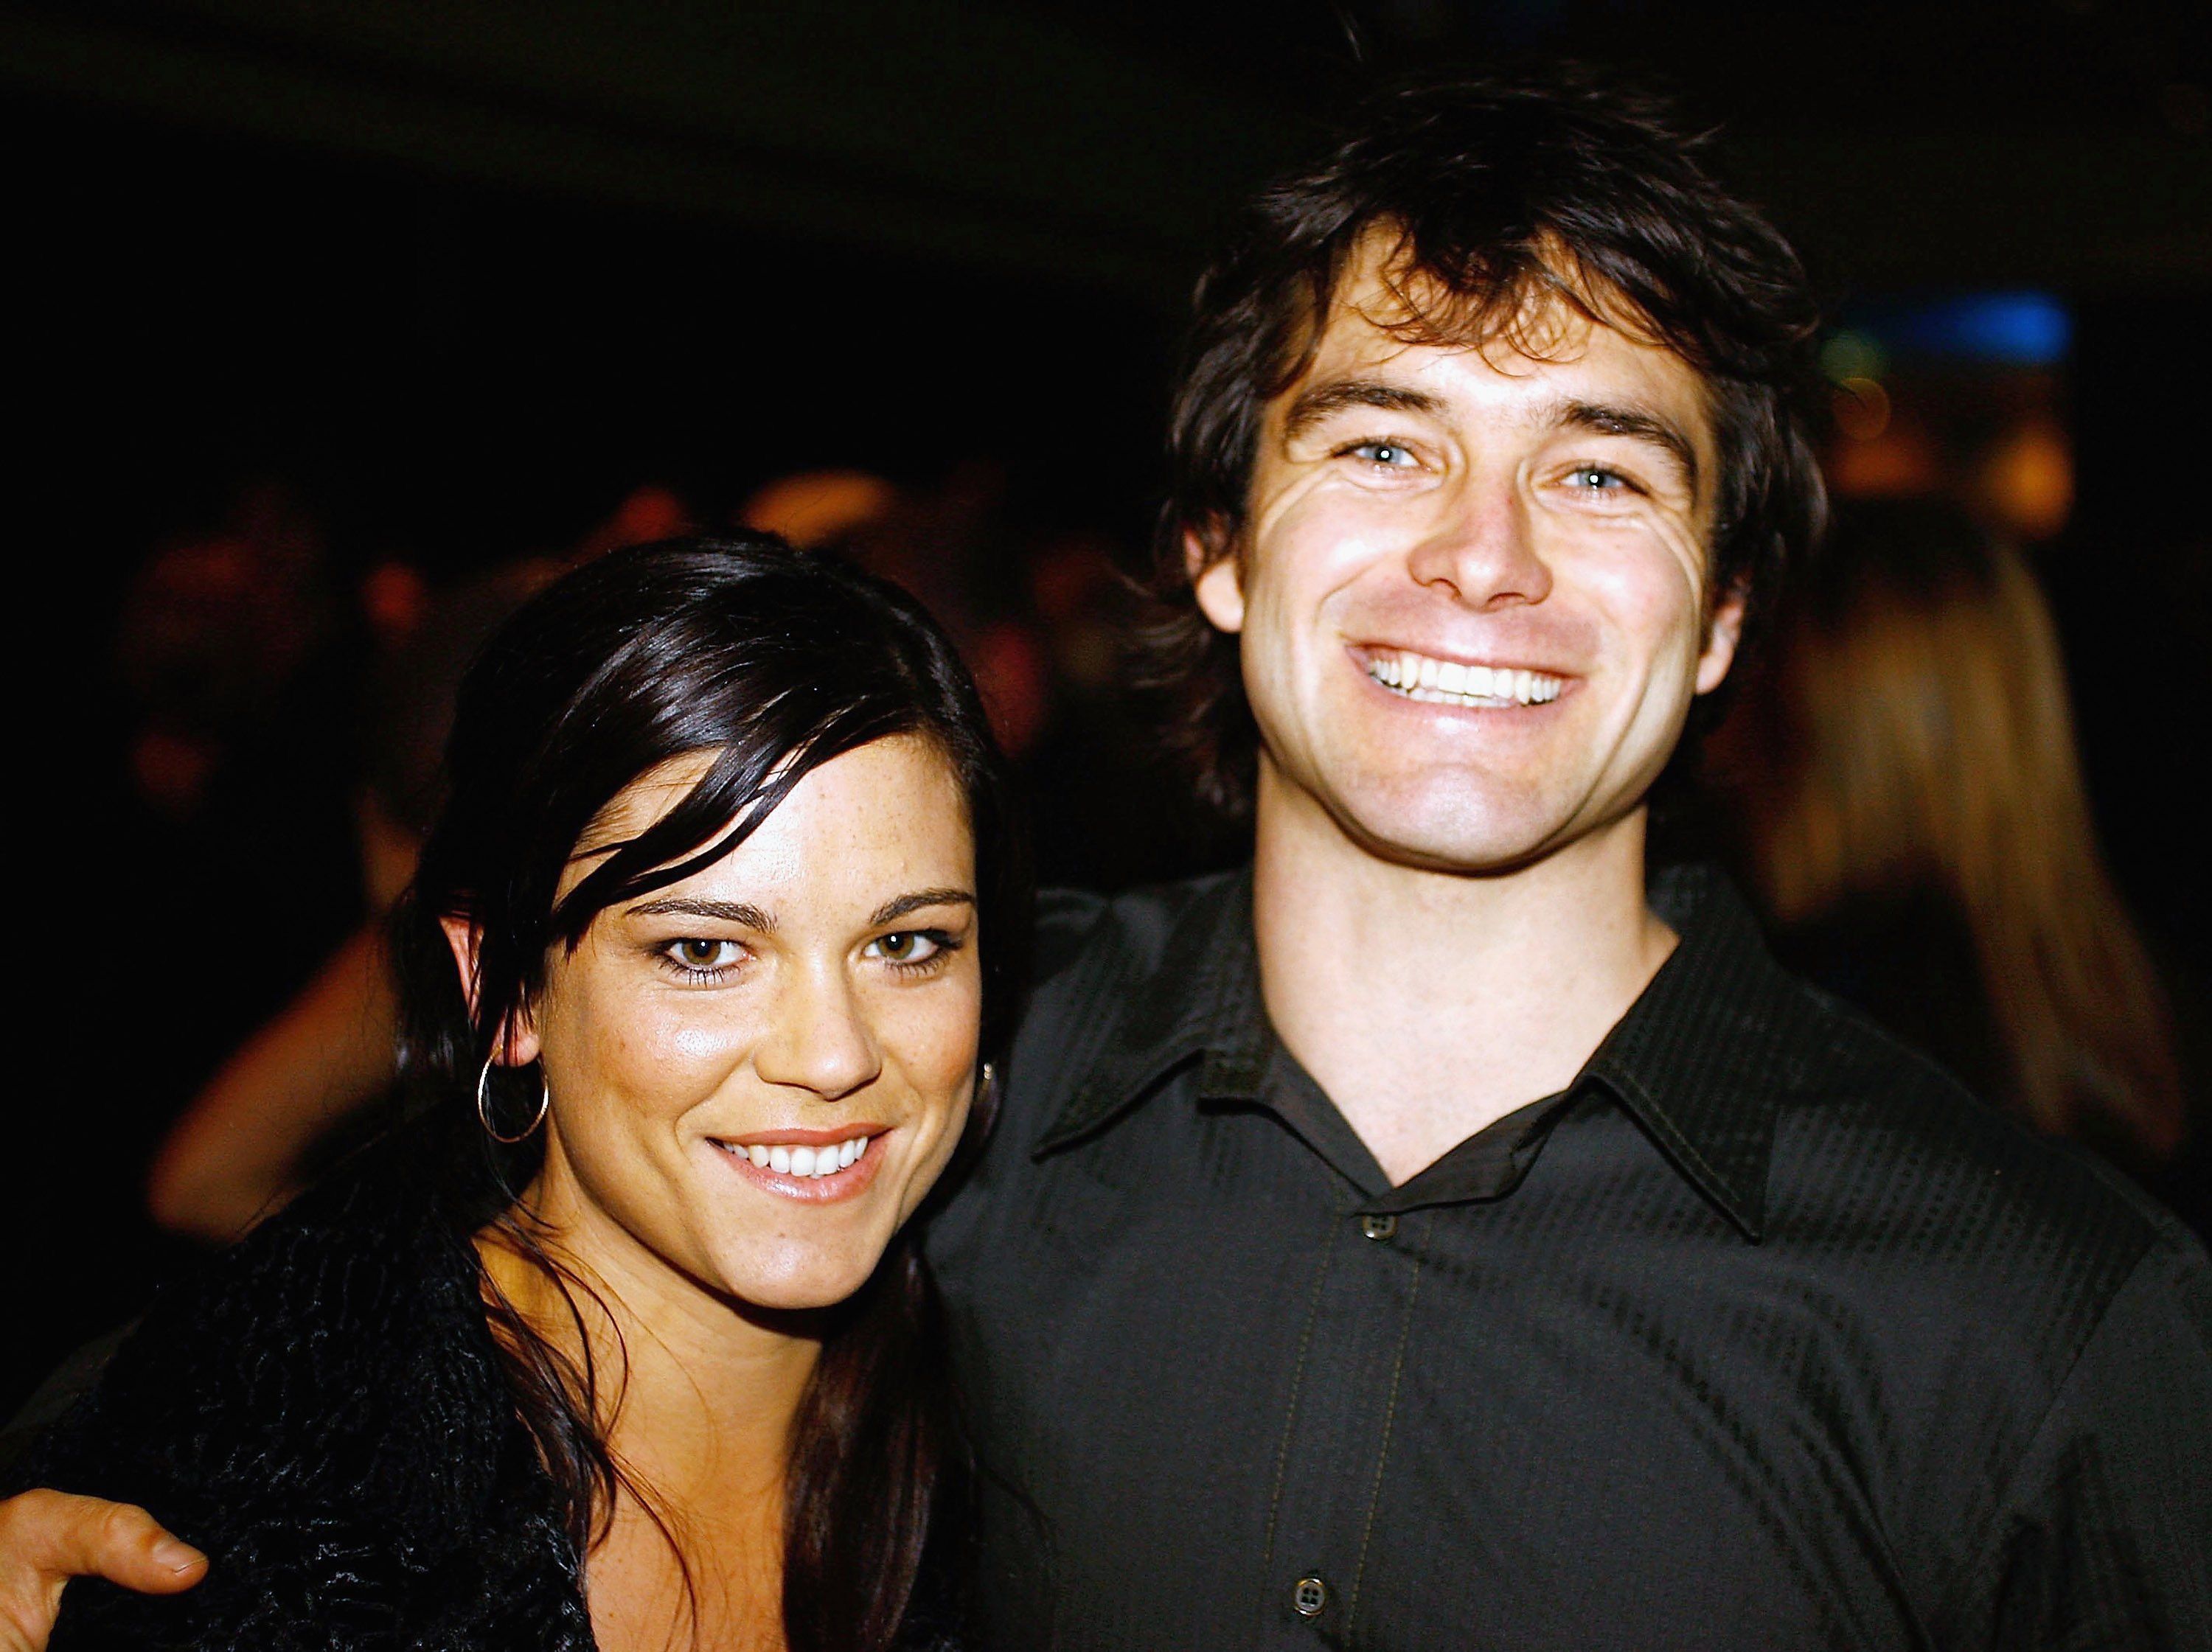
(906, 946)
(697, 955)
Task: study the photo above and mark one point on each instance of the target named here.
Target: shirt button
(1378, 1227)
(1308, 1596)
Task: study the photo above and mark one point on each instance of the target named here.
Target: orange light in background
(394, 597)
(1959, 394)
(1862, 409)
(648, 511)
(2027, 479)
(819, 508)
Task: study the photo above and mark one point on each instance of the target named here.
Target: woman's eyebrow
(892, 910)
(734, 912)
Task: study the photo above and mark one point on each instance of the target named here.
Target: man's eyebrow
(734, 912)
(1317, 401)
(1638, 422)
(891, 911)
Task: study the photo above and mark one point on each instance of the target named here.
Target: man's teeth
(1446, 681)
(806, 1161)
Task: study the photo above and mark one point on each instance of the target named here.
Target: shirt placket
(1327, 1513)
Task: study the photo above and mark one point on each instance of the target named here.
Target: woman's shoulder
(339, 1316)
(321, 1410)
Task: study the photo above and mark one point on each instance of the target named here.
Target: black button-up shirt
(1762, 1334)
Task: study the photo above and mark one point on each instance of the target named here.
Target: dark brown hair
(776, 662)
(1486, 194)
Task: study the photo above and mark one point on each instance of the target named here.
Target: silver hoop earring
(483, 1107)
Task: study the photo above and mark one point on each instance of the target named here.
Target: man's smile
(1434, 680)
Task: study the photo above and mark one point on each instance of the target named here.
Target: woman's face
(757, 1072)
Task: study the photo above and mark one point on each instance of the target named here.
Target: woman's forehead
(911, 759)
(638, 806)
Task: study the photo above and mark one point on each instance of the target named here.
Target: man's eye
(906, 946)
(1388, 453)
(1595, 478)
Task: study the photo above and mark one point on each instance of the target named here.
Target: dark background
(462, 275)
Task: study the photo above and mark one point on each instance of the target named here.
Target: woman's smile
(815, 1166)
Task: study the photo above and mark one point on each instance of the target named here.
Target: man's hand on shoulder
(47, 1538)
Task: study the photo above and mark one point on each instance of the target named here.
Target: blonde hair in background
(1926, 742)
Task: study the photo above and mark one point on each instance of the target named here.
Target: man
(1442, 1233)
(1431, 1236)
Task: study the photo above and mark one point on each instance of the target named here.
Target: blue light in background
(2026, 330)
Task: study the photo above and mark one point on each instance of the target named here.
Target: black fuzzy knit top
(323, 1411)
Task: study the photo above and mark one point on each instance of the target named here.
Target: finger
(127, 1545)
(63, 1536)
(48, 1536)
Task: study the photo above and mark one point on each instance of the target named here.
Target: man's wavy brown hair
(1489, 198)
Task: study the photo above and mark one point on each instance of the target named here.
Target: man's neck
(1429, 1004)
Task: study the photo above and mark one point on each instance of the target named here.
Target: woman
(618, 1341)
(1918, 831)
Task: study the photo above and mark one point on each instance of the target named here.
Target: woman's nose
(822, 1040)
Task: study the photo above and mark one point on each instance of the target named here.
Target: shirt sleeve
(2105, 1540)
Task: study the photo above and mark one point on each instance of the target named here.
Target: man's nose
(1482, 548)
(822, 1040)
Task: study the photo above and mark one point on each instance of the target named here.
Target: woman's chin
(795, 1283)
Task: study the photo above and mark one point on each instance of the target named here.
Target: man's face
(1471, 588)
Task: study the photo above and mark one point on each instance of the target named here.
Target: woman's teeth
(806, 1161)
(1446, 681)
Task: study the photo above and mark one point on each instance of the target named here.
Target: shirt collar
(1701, 1059)
(1196, 994)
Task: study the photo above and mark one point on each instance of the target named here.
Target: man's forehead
(1383, 306)
(1385, 322)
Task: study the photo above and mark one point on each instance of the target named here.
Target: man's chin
(1471, 822)
(1448, 836)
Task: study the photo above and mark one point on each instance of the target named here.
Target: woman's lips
(858, 1127)
(794, 1159)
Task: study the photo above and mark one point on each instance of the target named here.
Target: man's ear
(1216, 580)
(1722, 633)
(518, 1044)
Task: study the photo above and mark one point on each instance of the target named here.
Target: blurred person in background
(1905, 781)
(1041, 619)
(234, 651)
(947, 546)
(219, 629)
(299, 1087)
(210, 735)
(1108, 810)
(280, 1104)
